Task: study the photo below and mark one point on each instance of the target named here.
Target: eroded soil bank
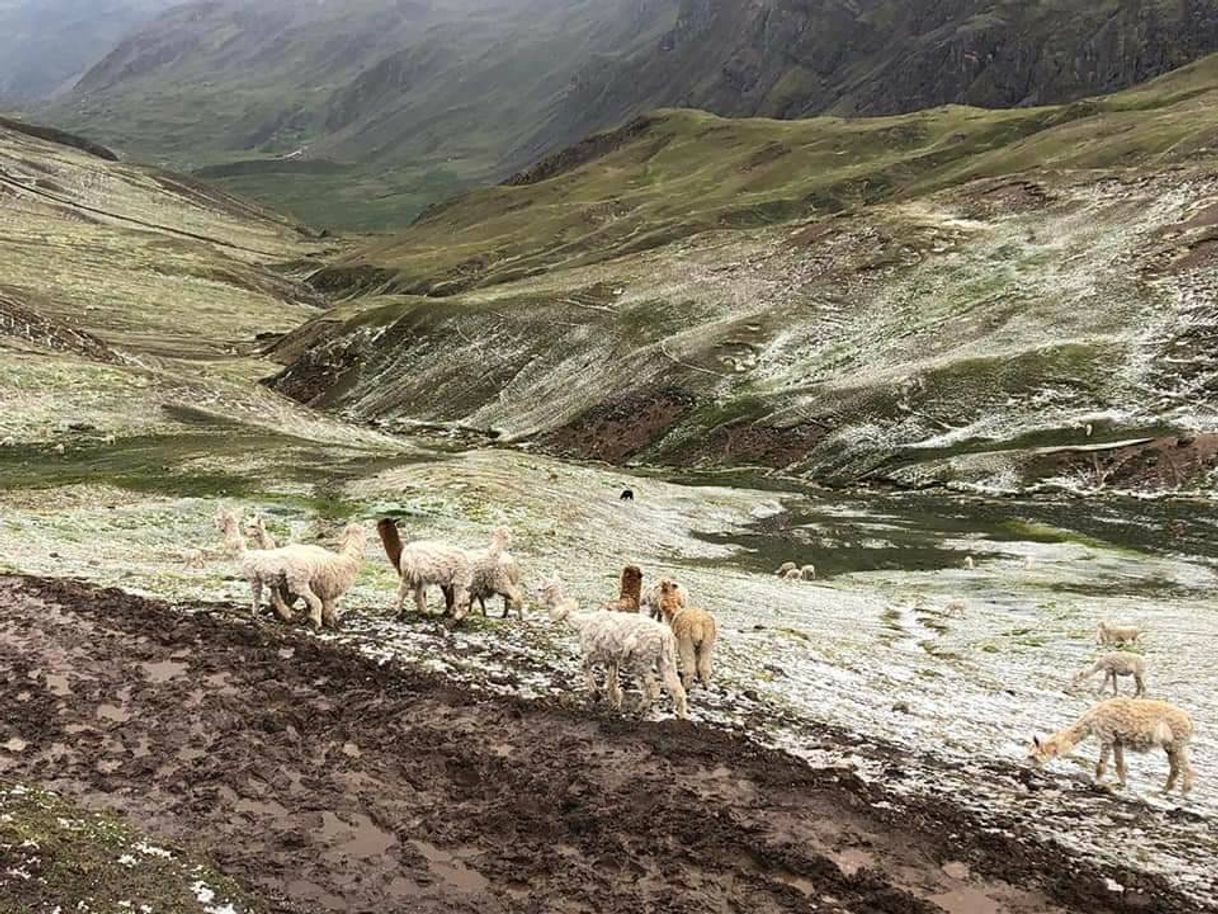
(321, 780)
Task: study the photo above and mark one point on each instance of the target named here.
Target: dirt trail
(323, 781)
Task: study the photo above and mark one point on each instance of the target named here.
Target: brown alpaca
(631, 597)
(695, 630)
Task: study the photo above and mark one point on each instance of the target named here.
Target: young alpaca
(424, 563)
(651, 599)
(1117, 663)
(317, 575)
(807, 573)
(631, 597)
(696, 632)
(1137, 724)
(496, 573)
(620, 641)
(1106, 633)
(786, 568)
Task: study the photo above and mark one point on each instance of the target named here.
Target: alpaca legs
(329, 614)
(1113, 677)
(672, 682)
(1101, 767)
(651, 688)
(1139, 686)
(420, 599)
(1118, 753)
(590, 677)
(282, 609)
(1173, 769)
(315, 604)
(1187, 768)
(447, 590)
(704, 663)
(614, 687)
(256, 588)
(687, 657)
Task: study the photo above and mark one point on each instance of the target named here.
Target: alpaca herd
(1138, 724)
(671, 644)
(659, 635)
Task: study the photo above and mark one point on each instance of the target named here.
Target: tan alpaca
(1137, 724)
(1106, 633)
(696, 633)
(631, 597)
(1117, 663)
(651, 599)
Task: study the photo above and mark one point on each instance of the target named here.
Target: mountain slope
(45, 45)
(363, 112)
(356, 113)
(130, 304)
(958, 294)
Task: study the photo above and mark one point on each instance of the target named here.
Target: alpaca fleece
(620, 641)
(696, 632)
(630, 598)
(651, 598)
(1137, 724)
(1117, 663)
(497, 573)
(425, 563)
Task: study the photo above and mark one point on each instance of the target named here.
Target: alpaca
(627, 495)
(807, 573)
(317, 575)
(1105, 633)
(1137, 724)
(631, 597)
(696, 633)
(792, 574)
(620, 641)
(786, 568)
(259, 534)
(1117, 663)
(969, 562)
(651, 599)
(193, 559)
(421, 564)
(496, 573)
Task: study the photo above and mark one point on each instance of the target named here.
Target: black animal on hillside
(627, 494)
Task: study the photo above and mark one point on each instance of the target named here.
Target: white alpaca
(1117, 663)
(621, 641)
(425, 563)
(1106, 633)
(317, 575)
(497, 573)
(259, 534)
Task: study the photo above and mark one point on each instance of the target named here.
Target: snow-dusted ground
(877, 649)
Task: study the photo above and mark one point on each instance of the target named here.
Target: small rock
(955, 869)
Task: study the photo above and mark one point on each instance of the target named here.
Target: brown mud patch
(321, 781)
(616, 431)
(1162, 464)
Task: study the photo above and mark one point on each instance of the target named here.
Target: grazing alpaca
(496, 573)
(631, 597)
(193, 559)
(620, 641)
(1117, 663)
(651, 599)
(792, 574)
(424, 563)
(969, 562)
(317, 575)
(1116, 634)
(786, 568)
(807, 573)
(1137, 724)
(696, 633)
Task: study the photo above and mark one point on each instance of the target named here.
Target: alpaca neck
(391, 539)
(234, 540)
(1070, 737)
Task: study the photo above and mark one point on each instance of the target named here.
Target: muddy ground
(321, 780)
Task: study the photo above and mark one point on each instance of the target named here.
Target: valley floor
(322, 780)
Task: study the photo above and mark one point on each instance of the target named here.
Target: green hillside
(931, 296)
